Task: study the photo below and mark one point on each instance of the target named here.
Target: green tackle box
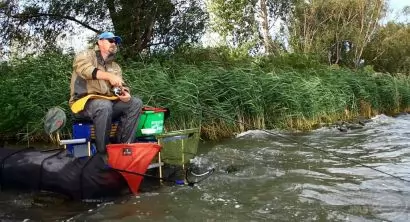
(151, 122)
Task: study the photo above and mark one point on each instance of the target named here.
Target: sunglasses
(111, 41)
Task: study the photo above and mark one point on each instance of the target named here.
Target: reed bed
(224, 96)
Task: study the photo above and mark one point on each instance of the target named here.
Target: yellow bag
(79, 104)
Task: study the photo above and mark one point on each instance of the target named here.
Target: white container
(148, 131)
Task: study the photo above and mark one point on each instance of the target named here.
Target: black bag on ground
(56, 171)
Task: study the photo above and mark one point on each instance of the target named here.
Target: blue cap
(110, 35)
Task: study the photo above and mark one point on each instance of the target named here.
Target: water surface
(276, 176)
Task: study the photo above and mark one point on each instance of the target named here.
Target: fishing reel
(117, 91)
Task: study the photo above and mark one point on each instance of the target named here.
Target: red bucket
(132, 160)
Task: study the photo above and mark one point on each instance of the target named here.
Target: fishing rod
(286, 138)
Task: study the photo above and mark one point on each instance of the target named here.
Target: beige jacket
(83, 79)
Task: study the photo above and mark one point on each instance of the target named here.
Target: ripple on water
(278, 176)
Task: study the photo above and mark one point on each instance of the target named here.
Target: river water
(260, 176)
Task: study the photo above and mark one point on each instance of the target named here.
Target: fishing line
(284, 137)
(188, 172)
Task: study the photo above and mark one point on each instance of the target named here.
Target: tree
(143, 24)
(233, 20)
(389, 49)
(249, 23)
(324, 26)
(406, 13)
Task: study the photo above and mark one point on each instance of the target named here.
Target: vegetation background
(278, 64)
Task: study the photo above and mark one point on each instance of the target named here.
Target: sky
(396, 6)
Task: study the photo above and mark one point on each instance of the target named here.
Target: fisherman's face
(108, 46)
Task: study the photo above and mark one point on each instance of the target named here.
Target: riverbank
(224, 96)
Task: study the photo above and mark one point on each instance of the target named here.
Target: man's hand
(125, 96)
(115, 80)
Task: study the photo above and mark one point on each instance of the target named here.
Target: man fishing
(98, 92)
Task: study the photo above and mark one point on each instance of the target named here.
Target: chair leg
(89, 148)
(160, 166)
(182, 152)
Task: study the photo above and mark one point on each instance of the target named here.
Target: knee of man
(105, 106)
(136, 102)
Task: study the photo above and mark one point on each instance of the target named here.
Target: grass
(225, 96)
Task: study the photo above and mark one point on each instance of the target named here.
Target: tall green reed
(224, 96)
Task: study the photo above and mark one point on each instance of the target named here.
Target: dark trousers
(102, 112)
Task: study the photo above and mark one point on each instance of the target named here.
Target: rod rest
(73, 141)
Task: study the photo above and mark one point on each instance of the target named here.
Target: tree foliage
(143, 24)
(389, 50)
(320, 26)
(234, 20)
(249, 23)
(339, 31)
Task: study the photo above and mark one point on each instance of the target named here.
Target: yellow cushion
(79, 104)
